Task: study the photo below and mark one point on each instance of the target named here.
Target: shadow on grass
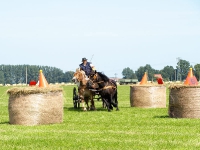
(4, 122)
(81, 110)
(166, 116)
(73, 109)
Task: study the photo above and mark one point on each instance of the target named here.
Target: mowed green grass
(129, 128)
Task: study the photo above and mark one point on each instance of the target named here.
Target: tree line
(169, 73)
(15, 74)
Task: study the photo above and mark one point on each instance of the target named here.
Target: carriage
(77, 99)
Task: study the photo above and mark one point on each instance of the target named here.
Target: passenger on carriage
(86, 66)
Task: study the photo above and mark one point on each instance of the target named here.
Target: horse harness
(106, 87)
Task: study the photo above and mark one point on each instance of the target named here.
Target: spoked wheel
(76, 102)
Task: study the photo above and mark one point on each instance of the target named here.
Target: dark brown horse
(107, 89)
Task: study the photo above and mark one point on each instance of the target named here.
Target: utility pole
(26, 76)
(115, 76)
(175, 74)
(178, 68)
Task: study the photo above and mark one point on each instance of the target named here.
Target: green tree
(1, 77)
(7, 69)
(68, 76)
(33, 72)
(147, 68)
(168, 73)
(14, 74)
(128, 73)
(197, 71)
(183, 70)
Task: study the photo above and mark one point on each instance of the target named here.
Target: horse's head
(94, 76)
(92, 85)
(78, 76)
(98, 77)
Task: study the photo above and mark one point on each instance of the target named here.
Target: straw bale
(184, 102)
(32, 90)
(35, 106)
(180, 86)
(148, 96)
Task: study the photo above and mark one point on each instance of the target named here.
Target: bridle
(95, 77)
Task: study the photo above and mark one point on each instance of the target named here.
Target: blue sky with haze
(128, 33)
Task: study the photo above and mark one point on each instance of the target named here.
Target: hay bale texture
(148, 96)
(184, 101)
(35, 106)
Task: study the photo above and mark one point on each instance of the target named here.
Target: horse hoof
(117, 109)
(92, 108)
(85, 109)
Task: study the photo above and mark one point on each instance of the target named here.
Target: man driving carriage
(81, 77)
(86, 66)
(91, 82)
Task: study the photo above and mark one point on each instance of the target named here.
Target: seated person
(86, 66)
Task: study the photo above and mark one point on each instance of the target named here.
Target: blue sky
(128, 33)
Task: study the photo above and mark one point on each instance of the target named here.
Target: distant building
(116, 79)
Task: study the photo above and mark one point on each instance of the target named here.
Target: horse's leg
(82, 97)
(87, 101)
(106, 103)
(111, 102)
(116, 100)
(92, 102)
(84, 100)
(109, 105)
(83, 105)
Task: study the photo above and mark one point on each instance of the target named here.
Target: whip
(91, 58)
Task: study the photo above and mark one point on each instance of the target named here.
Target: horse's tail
(115, 96)
(114, 101)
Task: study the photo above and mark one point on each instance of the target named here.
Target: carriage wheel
(75, 98)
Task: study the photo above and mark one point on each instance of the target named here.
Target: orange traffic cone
(190, 75)
(191, 79)
(144, 79)
(42, 80)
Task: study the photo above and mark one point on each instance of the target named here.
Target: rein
(105, 87)
(108, 87)
(99, 82)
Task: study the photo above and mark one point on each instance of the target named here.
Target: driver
(86, 66)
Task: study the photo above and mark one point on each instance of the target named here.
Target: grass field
(129, 128)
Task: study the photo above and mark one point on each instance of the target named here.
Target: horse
(107, 89)
(85, 94)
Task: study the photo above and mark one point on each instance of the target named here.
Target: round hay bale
(148, 96)
(35, 106)
(184, 101)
